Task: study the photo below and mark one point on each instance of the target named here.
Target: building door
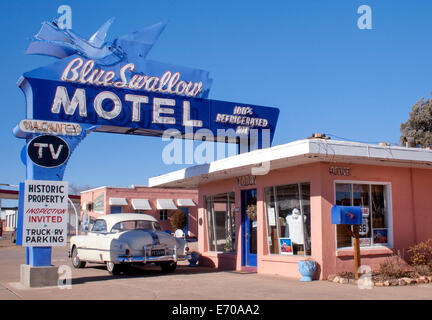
(116, 209)
(249, 228)
(186, 212)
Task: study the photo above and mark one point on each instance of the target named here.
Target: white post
(76, 216)
(302, 218)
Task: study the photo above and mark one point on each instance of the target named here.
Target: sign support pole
(41, 256)
(356, 244)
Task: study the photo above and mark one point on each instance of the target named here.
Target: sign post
(354, 233)
(356, 244)
(43, 204)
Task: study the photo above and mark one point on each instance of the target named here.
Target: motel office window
(372, 198)
(288, 219)
(220, 212)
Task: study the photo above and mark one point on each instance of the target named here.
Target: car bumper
(149, 259)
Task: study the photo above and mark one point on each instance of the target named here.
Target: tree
(418, 128)
(76, 189)
(178, 219)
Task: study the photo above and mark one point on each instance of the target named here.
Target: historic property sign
(45, 213)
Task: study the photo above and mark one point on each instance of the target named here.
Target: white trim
(113, 187)
(390, 218)
(361, 182)
(292, 154)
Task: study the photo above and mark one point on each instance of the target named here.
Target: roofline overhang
(295, 153)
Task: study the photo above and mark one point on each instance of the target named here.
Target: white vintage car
(121, 239)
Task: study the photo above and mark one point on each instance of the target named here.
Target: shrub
(392, 268)
(345, 274)
(421, 254)
(178, 220)
(423, 270)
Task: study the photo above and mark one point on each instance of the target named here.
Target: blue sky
(306, 57)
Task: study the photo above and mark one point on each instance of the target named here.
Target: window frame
(100, 231)
(164, 213)
(273, 187)
(153, 225)
(388, 197)
(231, 216)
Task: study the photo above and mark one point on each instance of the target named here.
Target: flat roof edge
(305, 147)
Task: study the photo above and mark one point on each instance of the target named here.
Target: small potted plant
(307, 269)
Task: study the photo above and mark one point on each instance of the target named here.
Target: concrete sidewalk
(187, 283)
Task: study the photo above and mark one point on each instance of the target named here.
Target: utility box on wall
(346, 215)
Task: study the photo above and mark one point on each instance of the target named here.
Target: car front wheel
(76, 262)
(169, 266)
(113, 268)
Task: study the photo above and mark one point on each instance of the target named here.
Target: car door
(95, 241)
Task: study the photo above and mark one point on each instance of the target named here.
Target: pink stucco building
(270, 208)
(158, 202)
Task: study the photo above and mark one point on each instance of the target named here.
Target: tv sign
(48, 151)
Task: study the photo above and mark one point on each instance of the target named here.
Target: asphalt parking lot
(186, 283)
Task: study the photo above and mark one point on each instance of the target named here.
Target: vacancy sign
(45, 213)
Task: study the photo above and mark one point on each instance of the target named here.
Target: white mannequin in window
(295, 227)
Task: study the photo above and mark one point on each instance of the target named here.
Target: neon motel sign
(116, 89)
(132, 103)
(111, 87)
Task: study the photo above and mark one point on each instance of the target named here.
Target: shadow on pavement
(140, 272)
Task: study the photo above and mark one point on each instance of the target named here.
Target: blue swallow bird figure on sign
(64, 44)
(53, 41)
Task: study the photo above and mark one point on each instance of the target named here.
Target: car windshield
(136, 225)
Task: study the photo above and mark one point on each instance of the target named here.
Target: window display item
(295, 227)
(286, 246)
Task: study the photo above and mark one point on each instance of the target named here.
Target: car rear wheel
(169, 266)
(113, 268)
(76, 262)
